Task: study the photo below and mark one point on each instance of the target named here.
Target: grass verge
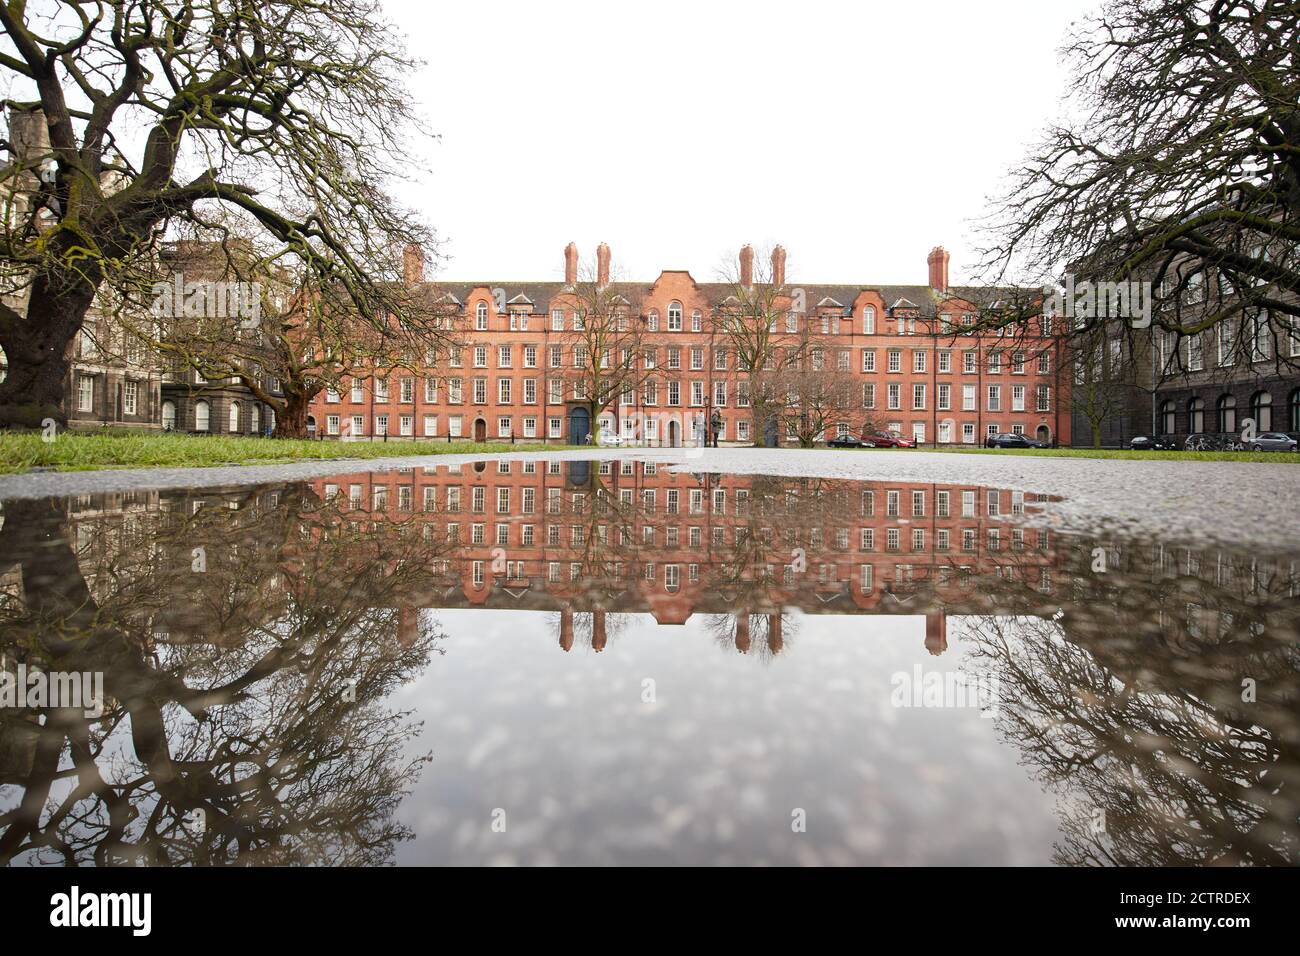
(1273, 457)
(74, 451)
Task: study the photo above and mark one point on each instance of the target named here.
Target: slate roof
(921, 297)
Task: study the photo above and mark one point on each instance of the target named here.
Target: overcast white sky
(857, 135)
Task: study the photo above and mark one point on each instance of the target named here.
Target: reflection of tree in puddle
(762, 635)
(243, 669)
(1136, 706)
(230, 631)
(593, 629)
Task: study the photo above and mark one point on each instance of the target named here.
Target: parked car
(609, 437)
(1010, 440)
(887, 440)
(1274, 441)
(1147, 443)
(846, 441)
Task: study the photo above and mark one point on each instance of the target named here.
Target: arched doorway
(480, 430)
(1293, 403)
(311, 426)
(579, 426)
(674, 434)
(1043, 434)
(169, 416)
(579, 472)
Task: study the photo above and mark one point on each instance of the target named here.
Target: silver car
(1273, 441)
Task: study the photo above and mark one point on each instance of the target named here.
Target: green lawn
(83, 451)
(1274, 457)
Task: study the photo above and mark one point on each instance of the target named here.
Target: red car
(888, 440)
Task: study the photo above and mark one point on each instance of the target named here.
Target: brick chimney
(413, 265)
(746, 266)
(570, 265)
(778, 266)
(602, 265)
(938, 261)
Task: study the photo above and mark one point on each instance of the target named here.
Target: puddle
(613, 662)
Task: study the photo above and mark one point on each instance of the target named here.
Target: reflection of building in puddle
(633, 537)
(1160, 691)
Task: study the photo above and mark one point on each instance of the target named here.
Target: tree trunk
(37, 352)
(292, 421)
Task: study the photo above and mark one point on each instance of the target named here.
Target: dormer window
(652, 321)
(697, 321)
(869, 320)
(675, 317)
(480, 317)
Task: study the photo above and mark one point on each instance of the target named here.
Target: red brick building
(638, 537)
(911, 366)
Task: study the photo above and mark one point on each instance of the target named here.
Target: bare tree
(814, 388)
(607, 342)
(1181, 165)
(301, 335)
(151, 114)
(751, 320)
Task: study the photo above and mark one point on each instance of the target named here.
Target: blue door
(769, 433)
(579, 426)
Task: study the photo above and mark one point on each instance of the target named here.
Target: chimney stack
(778, 266)
(413, 265)
(938, 262)
(570, 265)
(602, 265)
(746, 266)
